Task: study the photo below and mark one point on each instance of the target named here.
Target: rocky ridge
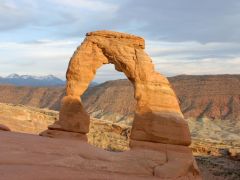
(41, 97)
(212, 96)
(215, 97)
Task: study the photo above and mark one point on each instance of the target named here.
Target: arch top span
(132, 39)
(158, 117)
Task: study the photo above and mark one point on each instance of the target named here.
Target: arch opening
(111, 116)
(103, 98)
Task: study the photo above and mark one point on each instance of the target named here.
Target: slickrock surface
(26, 156)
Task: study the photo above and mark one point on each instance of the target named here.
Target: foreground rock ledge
(24, 156)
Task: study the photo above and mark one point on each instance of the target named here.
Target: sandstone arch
(157, 118)
(158, 123)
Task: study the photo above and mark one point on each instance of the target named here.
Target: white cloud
(170, 67)
(173, 58)
(162, 48)
(37, 58)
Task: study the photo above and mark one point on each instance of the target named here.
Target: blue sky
(38, 37)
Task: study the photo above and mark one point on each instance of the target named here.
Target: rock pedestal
(158, 118)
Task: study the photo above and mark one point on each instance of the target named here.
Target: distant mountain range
(27, 80)
(34, 81)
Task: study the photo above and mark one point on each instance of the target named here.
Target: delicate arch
(157, 117)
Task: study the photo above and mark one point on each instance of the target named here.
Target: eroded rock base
(180, 161)
(63, 135)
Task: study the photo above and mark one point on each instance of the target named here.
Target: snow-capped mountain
(27, 80)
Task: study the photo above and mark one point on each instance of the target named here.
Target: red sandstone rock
(64, 135)
(4, 128)
(25, 156)
(158, 118)
(155, 98)
(73, 116)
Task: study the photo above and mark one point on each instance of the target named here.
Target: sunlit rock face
(158, 122)
(157, 105)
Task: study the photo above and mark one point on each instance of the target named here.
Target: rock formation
(158, 122)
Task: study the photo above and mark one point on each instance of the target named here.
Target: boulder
(4, 128)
